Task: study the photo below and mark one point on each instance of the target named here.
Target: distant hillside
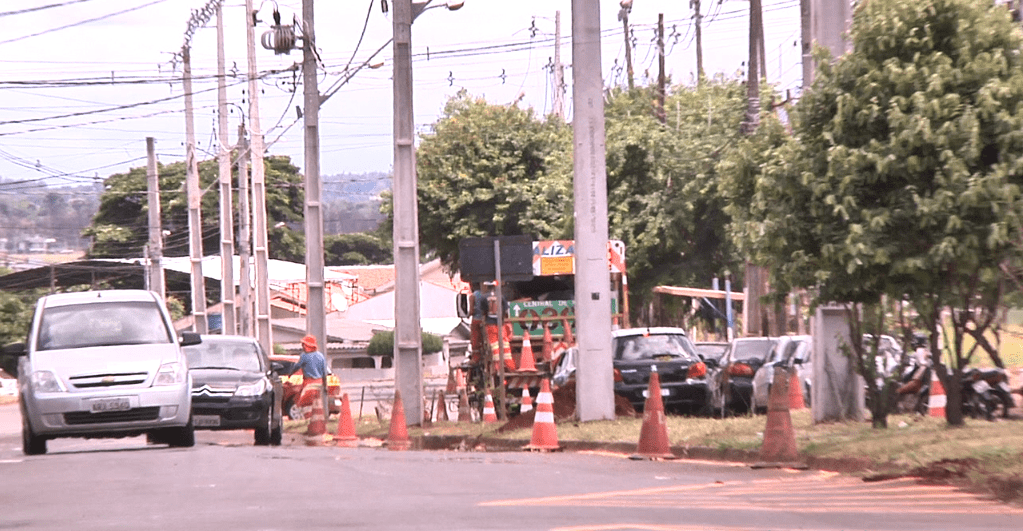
(351, 201)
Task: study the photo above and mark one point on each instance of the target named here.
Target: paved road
(225, 483)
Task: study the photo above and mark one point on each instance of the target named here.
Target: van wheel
(31, 444)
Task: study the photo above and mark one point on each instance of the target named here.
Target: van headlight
(253, 389)
(46, 382)
(171, 373)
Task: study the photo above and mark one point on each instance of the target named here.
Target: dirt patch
(944, 471)
(564, 409)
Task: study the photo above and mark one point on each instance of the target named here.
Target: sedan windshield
(634, 348)
(213, 355)
(748, 350)
(93, 325)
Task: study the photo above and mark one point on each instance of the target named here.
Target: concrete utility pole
(227, 295)
(244, 275)
(661, 79)
(263, 331)
(408, 346)
(594, 375)
(194, 196)
(698, 19)
(156, 277)
(559, 70)
(316, 321)
(806, 31)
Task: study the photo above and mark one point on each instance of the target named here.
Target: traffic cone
(653, 434)
(440, 406)
(547, 354)
(779, 447)
(527, 363)
(568, 338)
(397, 438)
(937, 400)
(452, 382)
(346, 436)
(317, 422)
(489, 415)
(464, 413)
(545, 433)
(796, 400)
(527, 402)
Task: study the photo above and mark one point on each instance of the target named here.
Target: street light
(408, 345)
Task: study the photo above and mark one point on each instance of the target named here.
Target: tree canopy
(903, 176)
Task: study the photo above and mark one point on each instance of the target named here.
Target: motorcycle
(984, 390)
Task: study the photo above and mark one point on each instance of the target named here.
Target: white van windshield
(99, 324)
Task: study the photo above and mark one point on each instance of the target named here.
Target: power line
(79, 23)
(40, 8)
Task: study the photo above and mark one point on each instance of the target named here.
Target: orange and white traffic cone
(316, 433)
(441, 407)
(464, 413)
(489, 415)
(796, 400)
(527, 363)
(397, 437)
(779, 447)
(653, 434)
(937, 400)
(527, 402)
(547, 354)
(346, 435)
(452, 382)
(545, 433)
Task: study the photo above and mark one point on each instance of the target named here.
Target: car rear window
(101, 324)
(223, 355)
(755, 349)
(635, 348)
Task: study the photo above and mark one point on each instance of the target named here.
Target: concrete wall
(837, 392)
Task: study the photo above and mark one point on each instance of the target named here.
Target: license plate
(206, 421)
(664, 392)
(102, 405)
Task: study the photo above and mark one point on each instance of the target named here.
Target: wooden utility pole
(623, 15)
(698, 18)
(227, 296)
(194, 196)
(156, 277)
(661, 78)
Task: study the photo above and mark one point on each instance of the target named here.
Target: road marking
(830, 492)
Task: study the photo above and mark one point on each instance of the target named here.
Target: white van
(103, 364)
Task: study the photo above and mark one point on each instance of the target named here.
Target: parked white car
(103, 364)
(788, 352)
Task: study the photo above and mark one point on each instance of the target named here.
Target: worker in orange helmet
(314, 369)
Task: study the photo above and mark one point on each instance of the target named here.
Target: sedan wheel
(31, 444)
(263, 432)
(294, 411)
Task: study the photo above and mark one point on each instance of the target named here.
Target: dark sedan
(738, 365)
(685, 384)
(234, 386)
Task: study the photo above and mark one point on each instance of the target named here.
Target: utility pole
(698, 18)
(263, 331)
(594, 375)
(227, 296)
(315, 304)
(245, 277)
(661, 79)
(408, 346)
(559, 70)
(623, 15)
(806, 31)
(192, 189)
(156, 277)
(754, 274)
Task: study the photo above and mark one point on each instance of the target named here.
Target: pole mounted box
(476, 258)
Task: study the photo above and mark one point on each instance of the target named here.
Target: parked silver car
(789, 352)
(103, 364)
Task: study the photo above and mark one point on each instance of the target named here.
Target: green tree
(356, 249)
(906, 170)
(663, 197)
(491, 170)
(382, 343)
(120, 228)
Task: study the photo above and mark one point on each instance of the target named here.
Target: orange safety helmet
(309, 343)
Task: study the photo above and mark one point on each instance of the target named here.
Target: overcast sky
(84, 82)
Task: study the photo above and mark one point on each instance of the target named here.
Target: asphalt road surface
(226, 483)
